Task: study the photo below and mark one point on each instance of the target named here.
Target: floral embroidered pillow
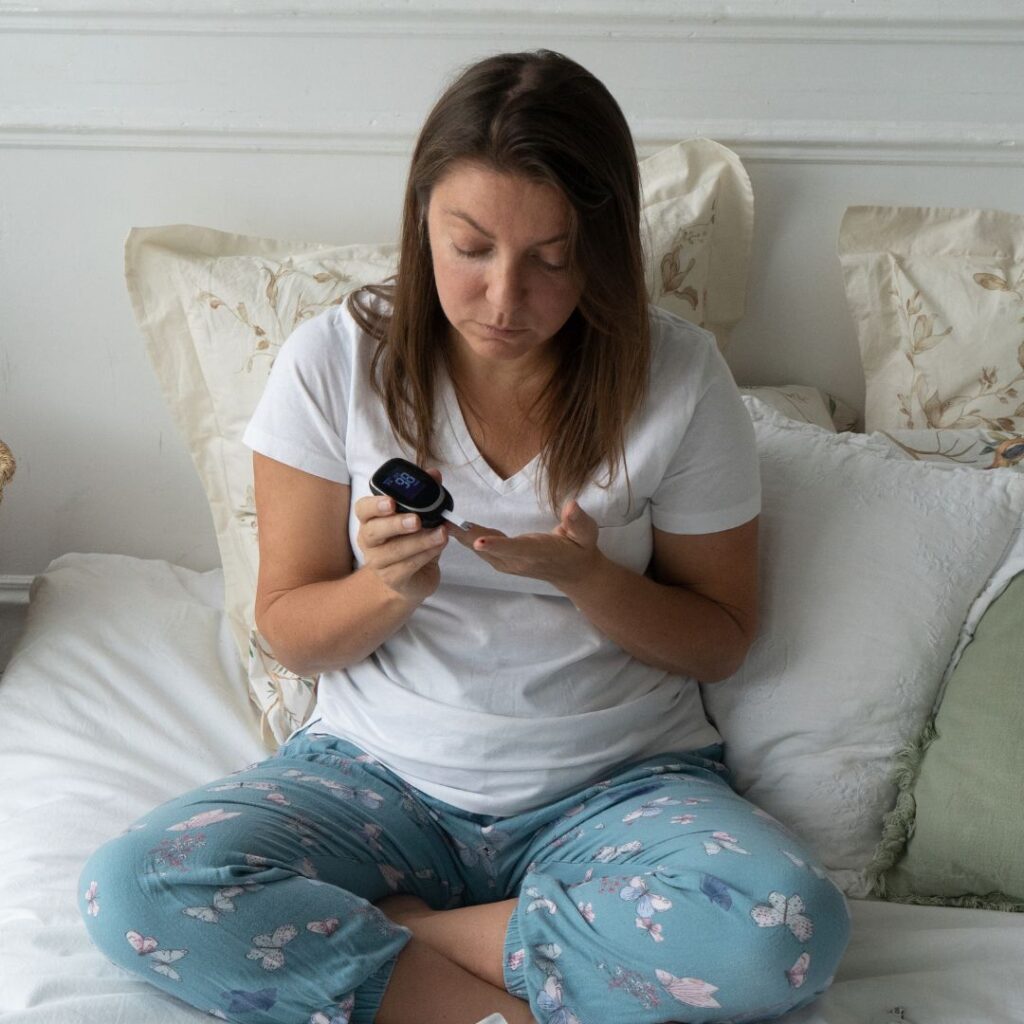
(698, 210)
(937, 297)
(975, 449)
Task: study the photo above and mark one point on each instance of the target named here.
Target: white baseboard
(14, 589)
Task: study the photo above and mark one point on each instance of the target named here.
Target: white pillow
(870, 565)
(801, 402)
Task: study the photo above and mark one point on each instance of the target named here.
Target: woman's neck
(503, 408)
(509, 384)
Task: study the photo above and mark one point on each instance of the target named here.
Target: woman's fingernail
(409, 522)
(439, 535)
(383, 505)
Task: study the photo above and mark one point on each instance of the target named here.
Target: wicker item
(7, 467)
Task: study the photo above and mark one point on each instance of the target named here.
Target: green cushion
(962, 791)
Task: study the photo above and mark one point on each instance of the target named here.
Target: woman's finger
(402, 569)
(382, 529)
(373, 506)
(396, 549)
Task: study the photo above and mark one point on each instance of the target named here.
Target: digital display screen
(405, 484)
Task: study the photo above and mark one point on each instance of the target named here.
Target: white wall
(295, 119)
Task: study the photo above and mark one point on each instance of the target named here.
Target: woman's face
(499, 248)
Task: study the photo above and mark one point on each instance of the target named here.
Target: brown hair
(542, 116)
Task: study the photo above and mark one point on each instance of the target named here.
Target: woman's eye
(476, 254)
(470, 254)
(551, 266)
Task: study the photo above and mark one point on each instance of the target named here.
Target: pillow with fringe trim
(956, 833)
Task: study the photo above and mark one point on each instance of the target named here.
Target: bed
(130, 636)
(136, 679)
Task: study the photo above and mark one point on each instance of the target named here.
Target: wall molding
(992, 22)
(14, 590)
(789, 142)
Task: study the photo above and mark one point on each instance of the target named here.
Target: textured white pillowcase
(870, 565)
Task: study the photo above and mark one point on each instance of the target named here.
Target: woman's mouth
(503, 332)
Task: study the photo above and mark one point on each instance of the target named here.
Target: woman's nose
(506, 287)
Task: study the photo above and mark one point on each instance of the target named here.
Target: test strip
(460, 523)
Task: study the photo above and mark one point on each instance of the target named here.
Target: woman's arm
(695, 615)
(311, 607)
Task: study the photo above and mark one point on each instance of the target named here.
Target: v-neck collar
(482, 468)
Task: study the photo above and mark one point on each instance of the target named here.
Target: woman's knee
(108, 890)
(772, 946)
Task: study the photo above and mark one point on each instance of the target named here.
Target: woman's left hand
(564, 557)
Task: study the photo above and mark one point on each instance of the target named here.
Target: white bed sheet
(125, 690)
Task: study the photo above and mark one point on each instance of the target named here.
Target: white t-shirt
(497, 695)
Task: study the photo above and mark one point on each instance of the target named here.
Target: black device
(414, 490)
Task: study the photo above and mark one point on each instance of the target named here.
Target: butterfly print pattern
(717, 891)
(272, 790)
(306, 868)
(782, 911)
(797, 974)
(667, 921)
(223, 903)
(647, 905)
(587, 876)
(372, 833)
(568, 837)
(610, 853)
(651, 809)
(203, 820)
(241, 1001)
(392, 876)
(539, 902)
(545, 957)
(367, 797)
(549, 1001)
(92, 899)
(722, 841)
(691, 991)
(269, 949)
(633, 983)
(327, 927)
(340, 1013)
(160, 960)
(174, 853)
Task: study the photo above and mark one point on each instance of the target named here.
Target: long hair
(544, 117)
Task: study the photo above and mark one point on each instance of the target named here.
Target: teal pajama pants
(656, 894)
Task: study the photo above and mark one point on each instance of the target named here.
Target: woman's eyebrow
(469, 220)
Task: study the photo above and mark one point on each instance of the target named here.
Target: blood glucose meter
(414, 490)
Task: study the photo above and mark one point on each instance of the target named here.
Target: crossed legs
(451, 970)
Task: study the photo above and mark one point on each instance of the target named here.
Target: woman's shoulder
(332, 335)
(679, 347)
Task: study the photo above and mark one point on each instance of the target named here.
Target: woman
(509, 798)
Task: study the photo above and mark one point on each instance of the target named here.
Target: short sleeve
(713, 479)
(301, 417)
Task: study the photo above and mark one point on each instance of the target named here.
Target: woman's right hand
(396, 548)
